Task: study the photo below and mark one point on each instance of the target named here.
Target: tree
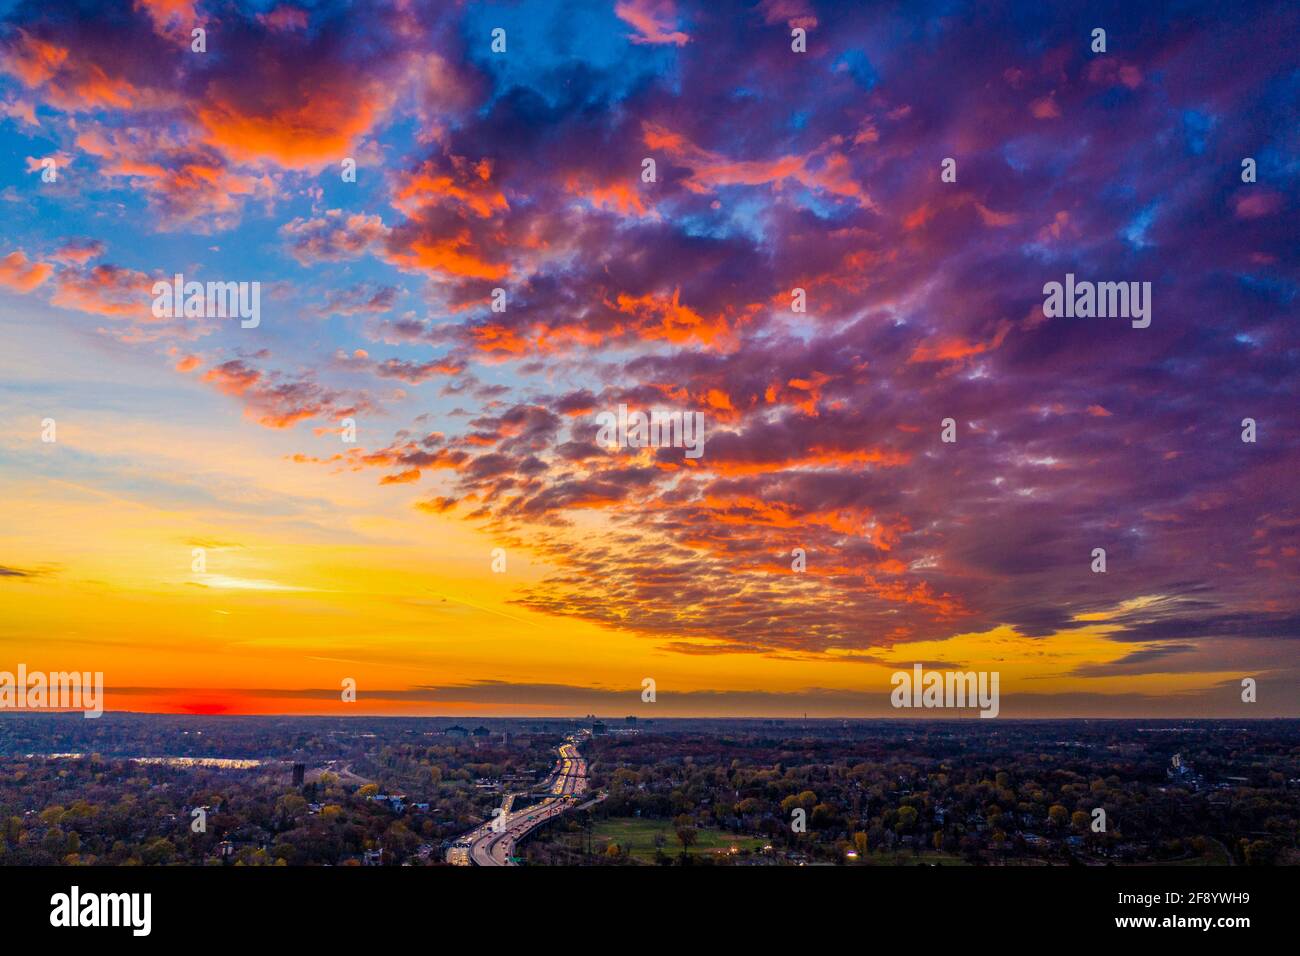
(686, 836)
(158, 853)
(289, 806)
(1260, 853)
(55, 841)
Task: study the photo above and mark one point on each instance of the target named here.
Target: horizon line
(480, 717)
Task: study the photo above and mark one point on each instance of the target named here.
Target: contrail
(487, 609)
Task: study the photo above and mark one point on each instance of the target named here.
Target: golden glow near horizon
(271, 615)
(311, 577)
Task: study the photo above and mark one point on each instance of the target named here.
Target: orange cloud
(319, 124)
(669, 319)
(166, 12)
(233, 378)
(454, 255)
(812, 389)
(71, 84)
(184, 184)
(17, 272)
(953, 348)
(1045, 107)
(79, 251)
(104, 290)
(996, 219)
(1255, 204)
(830, 173)
(816, 457)
(467, 184)
(33, 60)
(618, 197)
(654, 21)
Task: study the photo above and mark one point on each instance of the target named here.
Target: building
(394, 801)
(456, 730)
(299, 770)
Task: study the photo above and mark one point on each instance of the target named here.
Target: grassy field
(637, 838)
(1215, 855)
(906, 858)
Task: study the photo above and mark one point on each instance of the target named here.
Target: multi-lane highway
(492, 843)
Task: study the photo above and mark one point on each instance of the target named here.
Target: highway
(492, 843)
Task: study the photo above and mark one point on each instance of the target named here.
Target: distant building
(481, 731)
(456, 730)
(630, 721)
(597, 728)
(299, 770)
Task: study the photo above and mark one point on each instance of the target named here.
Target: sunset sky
(475, 429)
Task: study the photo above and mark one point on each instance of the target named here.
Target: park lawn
(906, 858)
(1216, 854)
(637, 838)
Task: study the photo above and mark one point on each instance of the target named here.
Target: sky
(204, 530)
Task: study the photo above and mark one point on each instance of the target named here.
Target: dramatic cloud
(673, 210)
